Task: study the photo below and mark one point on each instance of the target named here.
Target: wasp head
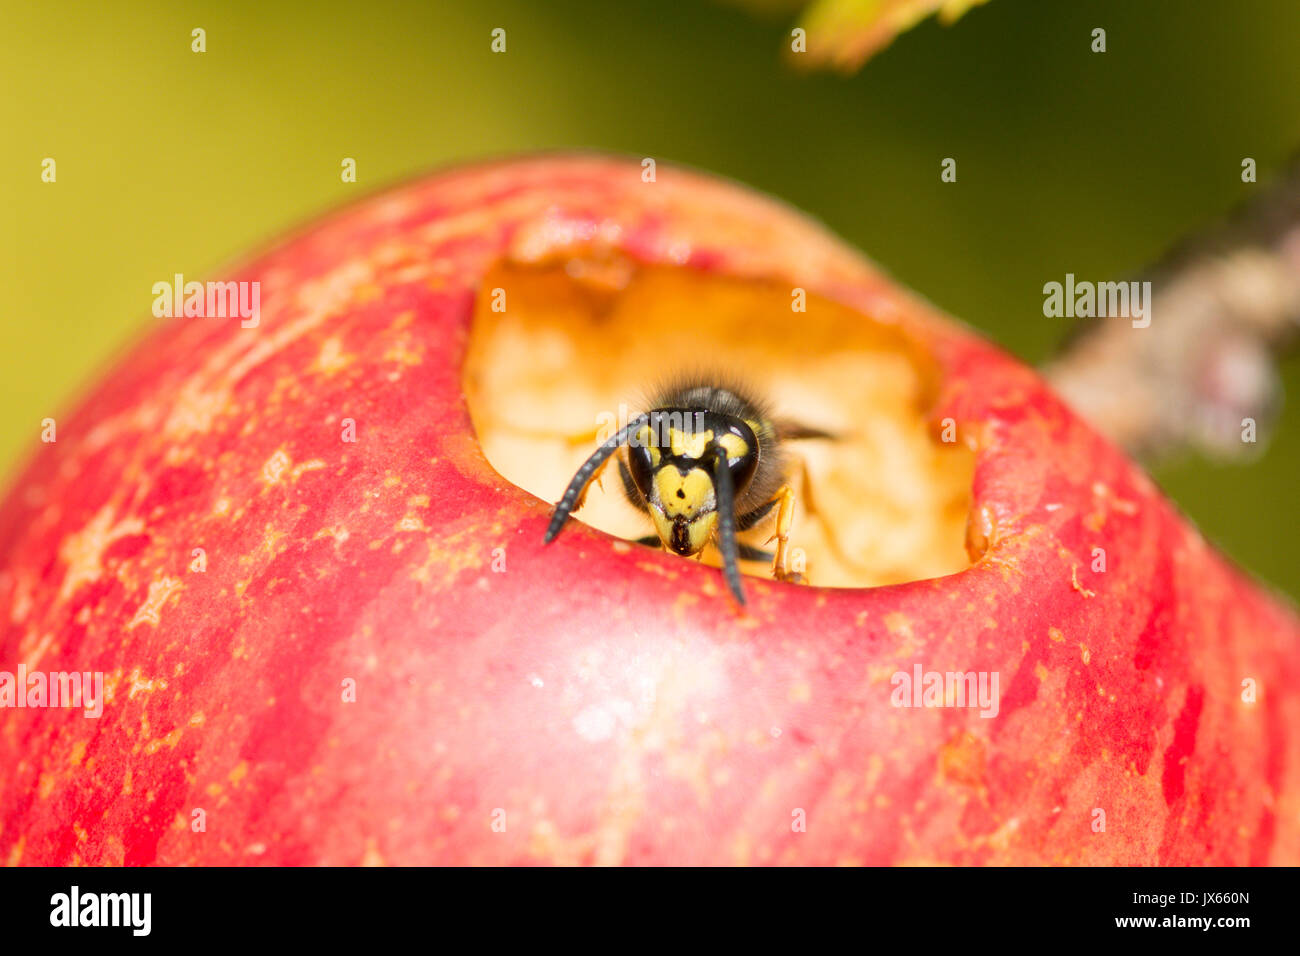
(674, 460)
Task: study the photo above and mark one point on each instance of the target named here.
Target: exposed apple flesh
(891, 497)
(591, 700)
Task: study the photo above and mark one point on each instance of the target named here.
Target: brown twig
(1222, 306)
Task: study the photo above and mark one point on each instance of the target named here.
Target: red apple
(325, 650)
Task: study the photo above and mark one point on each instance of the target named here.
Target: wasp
(704, 463)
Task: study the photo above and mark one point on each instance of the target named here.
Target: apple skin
(603, 703)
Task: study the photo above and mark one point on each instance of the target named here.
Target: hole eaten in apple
(561, 354)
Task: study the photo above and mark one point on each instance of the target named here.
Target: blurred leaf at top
(844, 34)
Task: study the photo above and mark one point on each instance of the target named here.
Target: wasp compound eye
(741, 447)
(642, 460)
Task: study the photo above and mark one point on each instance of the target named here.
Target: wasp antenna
(727, 521)
(584, 475)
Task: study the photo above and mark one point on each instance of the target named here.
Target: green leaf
(844, 34)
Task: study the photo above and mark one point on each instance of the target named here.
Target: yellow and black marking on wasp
(705, 463)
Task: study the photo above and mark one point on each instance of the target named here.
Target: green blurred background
(1068, 161)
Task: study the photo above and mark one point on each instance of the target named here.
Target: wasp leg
(784, 499)
(749, 519)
